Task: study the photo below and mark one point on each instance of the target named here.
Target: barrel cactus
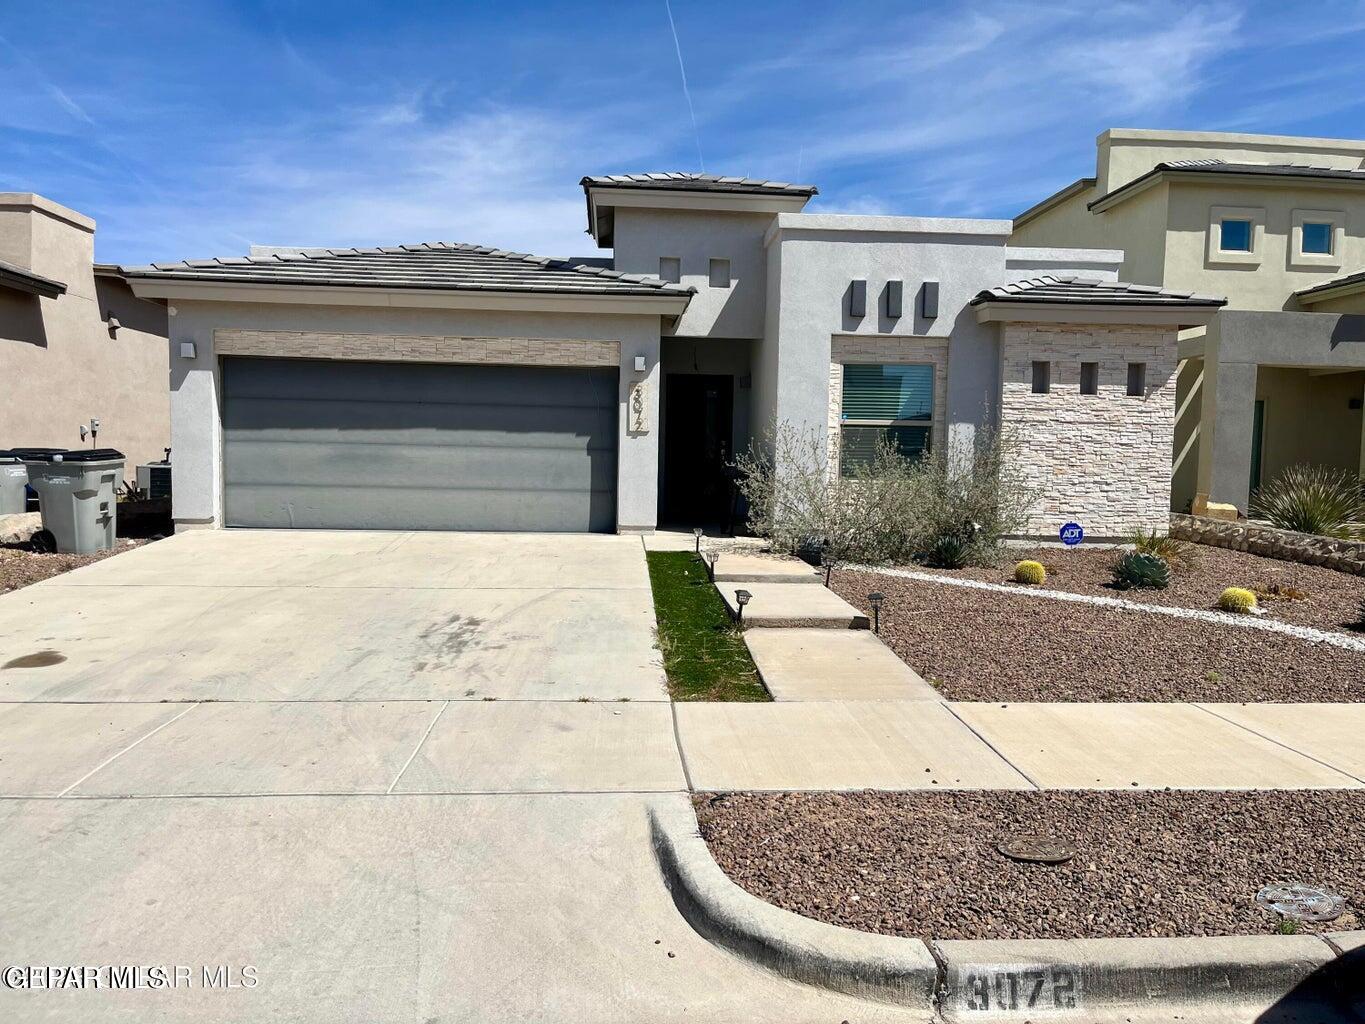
(1237, 599)
(1141, 570)
(1030, 572)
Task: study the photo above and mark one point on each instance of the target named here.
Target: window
(1137, 380)
(1317, 237)
(1090, 378)
(1234, 235)
(720, 273)
(891, 403)
(670, 269)
(1042, 378)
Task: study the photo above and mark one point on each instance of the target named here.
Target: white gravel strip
(1350, 643)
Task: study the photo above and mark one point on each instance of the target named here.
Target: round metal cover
(1037, 850)
(1301, 902)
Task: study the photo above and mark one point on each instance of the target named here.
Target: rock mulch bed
(981, 645)
(20, 567)
(925, 865)
(1331, 600)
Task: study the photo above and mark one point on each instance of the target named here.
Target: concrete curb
(1243, 977)
(878, 967)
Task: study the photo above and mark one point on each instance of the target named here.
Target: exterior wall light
(875, 599)
(113, 323)
(742, 598)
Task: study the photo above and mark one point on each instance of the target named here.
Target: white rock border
(1349, 643)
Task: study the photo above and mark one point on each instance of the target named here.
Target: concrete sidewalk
(928, 745)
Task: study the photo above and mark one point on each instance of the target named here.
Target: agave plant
(1313, 499)
(948, 551)
(1139, 569)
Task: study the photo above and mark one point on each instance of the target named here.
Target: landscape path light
(696, 532)
(741, 599)
(829, 562)
(876, 598)
(711, 556)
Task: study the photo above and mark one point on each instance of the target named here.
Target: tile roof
(1358, 278)
(686, 181)
(1072, 289)
(443, 266)
(1213, 165)
(21, 280)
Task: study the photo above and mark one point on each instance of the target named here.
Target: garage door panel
(564, 426)
(348, 445)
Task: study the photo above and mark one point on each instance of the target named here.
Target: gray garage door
(407, 446)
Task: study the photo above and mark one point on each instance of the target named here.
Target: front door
(697, 449)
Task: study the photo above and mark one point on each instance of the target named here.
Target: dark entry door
(698, 412)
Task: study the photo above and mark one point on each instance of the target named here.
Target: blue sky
(197, 129)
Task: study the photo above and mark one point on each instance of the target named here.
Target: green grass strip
(704, 655)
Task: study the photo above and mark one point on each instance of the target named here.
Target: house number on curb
(1011, 988)
(1071, 534)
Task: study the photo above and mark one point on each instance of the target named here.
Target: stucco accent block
(1101, 460)
(418, 348)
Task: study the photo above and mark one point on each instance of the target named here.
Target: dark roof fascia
(1275, 175)
(1060, 196)
(1348, 285)
(20, 280)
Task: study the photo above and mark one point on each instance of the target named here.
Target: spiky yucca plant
(1313, 499)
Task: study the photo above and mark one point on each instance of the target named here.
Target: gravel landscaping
(925, 865)
(20, 566)
(980, 645)
(1330, 599)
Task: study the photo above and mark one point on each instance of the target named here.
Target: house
(454, 386)
(75, 344)
(1277, 225)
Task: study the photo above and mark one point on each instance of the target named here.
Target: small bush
(1279, 592)
(1360, 616)
(1173, 552)
(1237, 599)
(1032, 573)
(949, 551)
(1143, 571)
(1313, 499)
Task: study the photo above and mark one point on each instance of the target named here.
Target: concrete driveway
(361, 765)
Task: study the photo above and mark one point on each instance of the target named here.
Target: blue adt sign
(1071, 534)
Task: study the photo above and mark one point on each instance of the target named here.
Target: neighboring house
(75, 343)
(447, 386)
(1277, 225)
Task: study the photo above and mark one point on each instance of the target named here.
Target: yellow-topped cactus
(1030, 572)
(1237, 599)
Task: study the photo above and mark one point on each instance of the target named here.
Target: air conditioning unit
(154, 478)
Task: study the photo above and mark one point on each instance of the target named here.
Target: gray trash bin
(13, 484)
(78, 499)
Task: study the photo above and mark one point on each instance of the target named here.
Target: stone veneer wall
(419, 348)
(859, 349)
(1102, 460)
(1343, 555)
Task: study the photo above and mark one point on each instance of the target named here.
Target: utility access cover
(1037, 850)
(1301, 902)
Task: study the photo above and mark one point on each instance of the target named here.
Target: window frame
(1238, 257)
(1094, 388)
(1046, 367)
(711, 267)
(677, 262)
(1317, 260)
(927, 422)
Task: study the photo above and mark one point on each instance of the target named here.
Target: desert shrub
(887, 508)
(949, 551)
(1279, 592)
(1144, 571)
(1237, 599)
(1313, 499)
(1175, 553)
(1030, 572)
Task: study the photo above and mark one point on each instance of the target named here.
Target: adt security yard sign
(1071, 534)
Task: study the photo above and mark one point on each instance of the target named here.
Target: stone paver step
(825, 664)
(793, 605)
(740, 567)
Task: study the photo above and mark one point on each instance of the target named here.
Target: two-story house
(1277, 225)
(452, 386)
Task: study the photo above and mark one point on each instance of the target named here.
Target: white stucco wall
(196, 423)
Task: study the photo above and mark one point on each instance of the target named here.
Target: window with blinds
(885, 402)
